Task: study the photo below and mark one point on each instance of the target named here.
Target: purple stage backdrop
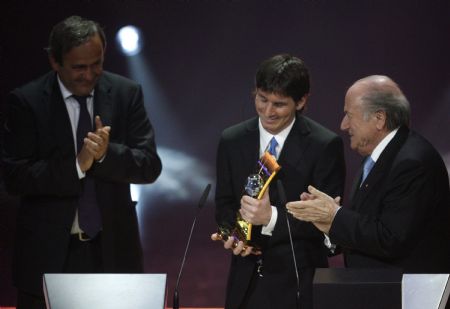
(197, 68)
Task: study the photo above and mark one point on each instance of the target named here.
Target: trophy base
(239, 233)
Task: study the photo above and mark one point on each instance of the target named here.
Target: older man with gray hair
(398, 213)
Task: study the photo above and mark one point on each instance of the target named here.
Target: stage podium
(105, 291)
(378, 288)
(421, 291)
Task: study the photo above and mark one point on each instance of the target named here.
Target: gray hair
(383, 94)
(72, 32)
(396, 107)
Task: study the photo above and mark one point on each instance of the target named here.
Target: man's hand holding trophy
(239, 237)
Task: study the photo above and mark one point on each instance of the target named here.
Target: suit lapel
(291, 155)
(103, 101)
(380, 170)
(296, 143)
(55, 110)
(249, 146)
(356, 182)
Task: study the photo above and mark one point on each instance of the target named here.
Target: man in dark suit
(399, 209)
(76, 213)
(307, 153)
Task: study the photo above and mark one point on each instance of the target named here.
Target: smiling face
(365, 130)
(275, 111)
(81, 66)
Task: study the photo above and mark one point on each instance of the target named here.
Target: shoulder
(240, 130)
(417, 148)
(36, 86)
(314, 130)
(418, 156)
(116, 80)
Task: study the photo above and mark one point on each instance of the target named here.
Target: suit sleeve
(226, 203)
(27, 170)
(403, 209)
(131, 156)
(328, 175)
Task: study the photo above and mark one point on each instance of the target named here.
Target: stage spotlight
(129, 40)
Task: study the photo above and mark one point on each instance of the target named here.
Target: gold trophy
(255, 187)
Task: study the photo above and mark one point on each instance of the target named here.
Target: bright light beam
(129, 40)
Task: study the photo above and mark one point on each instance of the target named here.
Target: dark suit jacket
(399, 217)
(311, 155)
(38, 157)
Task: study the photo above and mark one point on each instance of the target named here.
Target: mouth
(86, 85)
(270, 121)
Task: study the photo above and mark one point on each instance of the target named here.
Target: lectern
(379, 288)
(357, 288)
(421, 291)
(105, 291)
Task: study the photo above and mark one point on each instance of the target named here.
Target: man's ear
(53, 63)
(380, 117)
(300, 104)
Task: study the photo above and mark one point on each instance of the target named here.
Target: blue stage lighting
(129, 40)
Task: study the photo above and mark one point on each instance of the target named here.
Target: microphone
(283, 200)
(201, 203)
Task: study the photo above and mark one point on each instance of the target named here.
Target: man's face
(275, 111)
(364, 133)
(81, 67)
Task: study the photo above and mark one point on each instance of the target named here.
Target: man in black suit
(398, 216)
(76, 213)
(307, 153)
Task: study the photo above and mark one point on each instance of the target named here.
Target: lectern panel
(357, 288)
(105, 291)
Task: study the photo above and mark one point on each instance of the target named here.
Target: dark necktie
(84, 121)
(89, 217)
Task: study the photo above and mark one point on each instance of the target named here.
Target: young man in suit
(74, 139)
(398, 216)
(307, 153)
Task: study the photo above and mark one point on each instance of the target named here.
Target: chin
(273, 131)
(84, 91)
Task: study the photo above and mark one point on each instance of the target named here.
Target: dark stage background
(197, 70)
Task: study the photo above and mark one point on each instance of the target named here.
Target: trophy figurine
(255, 187)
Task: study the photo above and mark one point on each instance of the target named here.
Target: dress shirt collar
(65, 92)
(265, 137)
(380, 147)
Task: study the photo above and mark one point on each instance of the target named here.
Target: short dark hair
(284, 75)
(72, 32)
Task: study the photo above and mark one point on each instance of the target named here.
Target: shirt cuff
(328, 243)
(268, 229)
(81, 174)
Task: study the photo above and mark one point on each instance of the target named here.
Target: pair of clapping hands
(95, 145)
(314, 206)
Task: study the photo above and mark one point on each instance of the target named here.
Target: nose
(89, 74)
(344, 123)
(269, 110)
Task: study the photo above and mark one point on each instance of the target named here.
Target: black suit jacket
(311, 155)
(399, 217)
(38, 157)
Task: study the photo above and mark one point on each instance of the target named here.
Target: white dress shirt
(73, 109)
(264, 141)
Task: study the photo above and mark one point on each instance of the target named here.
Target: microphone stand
(201, 203)
(283, 200)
